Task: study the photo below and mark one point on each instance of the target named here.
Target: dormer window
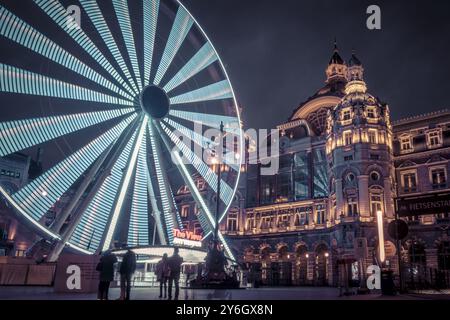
(346, 115)
(371, 113)
(405, 144)
(434, 138)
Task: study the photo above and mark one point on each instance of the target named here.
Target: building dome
(314, 110)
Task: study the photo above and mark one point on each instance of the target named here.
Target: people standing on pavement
(127, 268)
(106, 269)
(162, 274)
(175, 262)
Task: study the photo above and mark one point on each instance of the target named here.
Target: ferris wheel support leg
(79, 208)
(156, 213)
(62, 217)
(107, 237)
(197, 197)
(157, 152)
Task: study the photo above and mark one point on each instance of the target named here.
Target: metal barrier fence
(27, 274)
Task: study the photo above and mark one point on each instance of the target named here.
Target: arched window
(376, 201)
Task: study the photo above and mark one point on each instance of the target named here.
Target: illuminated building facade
(314, 222)
(15, 171)
(421, 155)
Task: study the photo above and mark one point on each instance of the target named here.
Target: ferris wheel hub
(155, 102)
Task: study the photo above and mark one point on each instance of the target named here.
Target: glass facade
(301, 176)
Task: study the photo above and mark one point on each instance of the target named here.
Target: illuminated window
(185, 211)
(320, 214)
(232, 221)
(348, 138)
(434, 138)
(346, 115)
(409, 181)
(20, 253)
(196, 210)
(371, 113)
(438, 177)
(352, 206)
(376, 203)
(405, 143)
(348, 158)
(200, 184)
(372, 136)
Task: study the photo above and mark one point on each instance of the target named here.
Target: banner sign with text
(432, 204)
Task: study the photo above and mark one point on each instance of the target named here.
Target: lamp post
(219, 174)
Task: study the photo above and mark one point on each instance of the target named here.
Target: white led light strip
(125, 184)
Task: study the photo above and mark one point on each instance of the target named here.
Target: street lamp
(381, 235)
(219, 173)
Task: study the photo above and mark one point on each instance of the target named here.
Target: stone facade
(314, 222)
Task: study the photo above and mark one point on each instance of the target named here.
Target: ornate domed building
(341, 161)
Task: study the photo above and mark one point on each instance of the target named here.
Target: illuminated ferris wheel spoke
(180, 28)
(204, 142)
(89, 232)
(150, 15)
(96, 16)
(16, 80)
(166, 205)
(206, 218)
(22, 33)
(138, 227)
(201, 60)
(216, 91)
(125, 185)
(18, 135)
(40, 194)
(59, 15)
(177, 213)
(231, 124)
(210, 176)
(123, 16)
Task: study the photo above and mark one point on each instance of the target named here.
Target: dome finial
(335, 45)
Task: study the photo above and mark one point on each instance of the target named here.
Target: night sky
(276, 52)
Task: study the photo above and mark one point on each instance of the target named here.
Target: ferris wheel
(106, 97)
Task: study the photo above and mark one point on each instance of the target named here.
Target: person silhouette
(175, 262)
